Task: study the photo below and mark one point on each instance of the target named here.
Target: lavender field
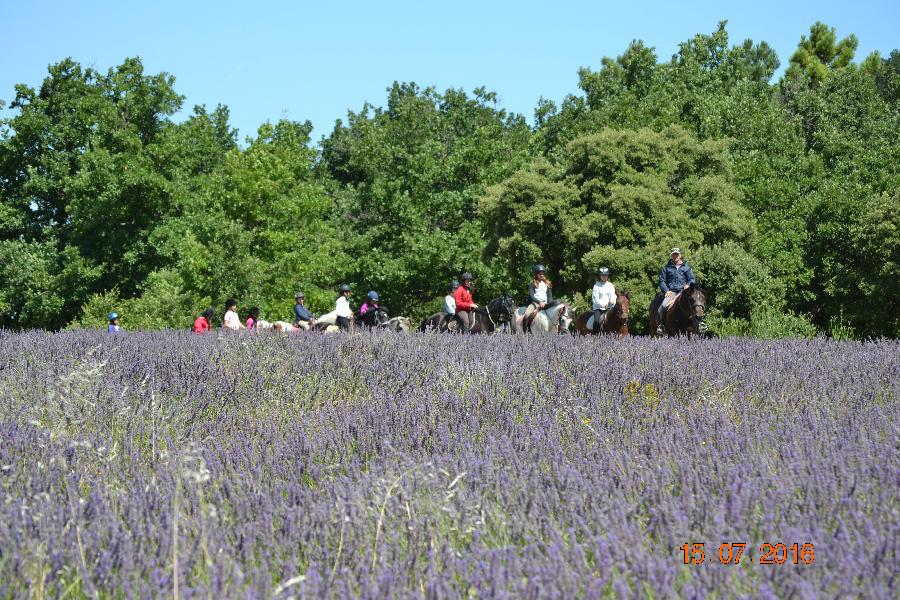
(377, 466)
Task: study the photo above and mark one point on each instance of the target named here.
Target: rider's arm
(663, 287)
(531, 290)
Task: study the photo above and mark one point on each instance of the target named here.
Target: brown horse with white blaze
(615, 321)
(684, 316)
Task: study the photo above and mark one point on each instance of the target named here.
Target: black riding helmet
(466, 277)
(453, 284)
(344, 288)
(538, 268)
(602, 271)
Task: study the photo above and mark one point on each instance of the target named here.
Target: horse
(485, 320)
(684, 316)
(376, 317)
(615, 321)
(437, 322)
(397, 324)
(552, 319)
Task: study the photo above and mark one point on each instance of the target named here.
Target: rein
(491, 307)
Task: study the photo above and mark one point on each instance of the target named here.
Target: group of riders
(459, 308)
(675, 277)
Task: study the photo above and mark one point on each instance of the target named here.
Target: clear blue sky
(315, 60)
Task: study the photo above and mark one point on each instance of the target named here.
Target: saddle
(590, 322)
(526, 322)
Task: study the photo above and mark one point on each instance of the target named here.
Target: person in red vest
(464, 304)
(202, 323)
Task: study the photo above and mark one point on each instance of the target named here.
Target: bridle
(563, 311)
(503, 313)
(694, 309)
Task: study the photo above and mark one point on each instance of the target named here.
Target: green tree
(620, 198)
(407, 178)
(820, 54)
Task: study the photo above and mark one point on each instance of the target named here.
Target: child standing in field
(113, 323)
(253, 318)
(204, 321)
(231, 321)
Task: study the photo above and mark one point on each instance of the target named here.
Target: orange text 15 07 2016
(733, 553)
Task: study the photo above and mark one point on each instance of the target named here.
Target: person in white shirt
(449, 300)
(540, 295)
(603, 296)
(450, 303)
(343, 312)
(231, 321)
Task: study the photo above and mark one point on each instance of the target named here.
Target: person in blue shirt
(114, 323)
(302, 317)
(677, 275)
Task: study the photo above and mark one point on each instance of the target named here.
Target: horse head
(503, 309)
(398, 324)
(566, 316)
(697, 307)
(623, 305)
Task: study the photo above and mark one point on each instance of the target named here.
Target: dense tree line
(785, 195)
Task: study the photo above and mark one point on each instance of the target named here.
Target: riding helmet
(454, 284)
(113, 316)
(602, 271)
(299, 295)
(344, 288)
(466, 276)
(373, 296)
(538, 268)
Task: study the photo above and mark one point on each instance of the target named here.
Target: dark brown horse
(484, 320)
(684, 316)
(615, 321)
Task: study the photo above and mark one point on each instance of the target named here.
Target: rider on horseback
(676, 276)
(449, 302)
(342, 308)
(464, 304)
(603, 297)
(371, 303)
(540, 295)
(302, 317)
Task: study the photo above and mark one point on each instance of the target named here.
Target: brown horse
(614, 322)
(684, 316)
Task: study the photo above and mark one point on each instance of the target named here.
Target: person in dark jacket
(677, 275)
(540, 295)
(302, 317)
